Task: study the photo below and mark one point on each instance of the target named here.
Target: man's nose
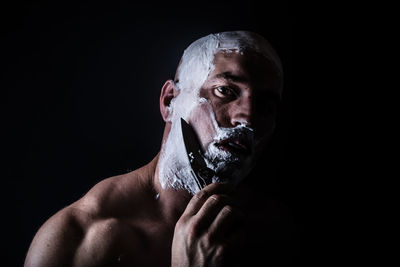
(242, 112)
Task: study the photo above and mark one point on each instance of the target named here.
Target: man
(226, 87)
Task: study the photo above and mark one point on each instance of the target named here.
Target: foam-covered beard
(174, 166)
(230, 167)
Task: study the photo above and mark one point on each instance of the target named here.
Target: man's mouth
(235, 146)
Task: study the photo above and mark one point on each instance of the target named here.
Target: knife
(200, 172)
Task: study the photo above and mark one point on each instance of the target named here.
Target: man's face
(242, 94)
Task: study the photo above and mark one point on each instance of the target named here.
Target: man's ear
(168, 92)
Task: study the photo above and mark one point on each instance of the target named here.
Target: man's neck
(172, 201)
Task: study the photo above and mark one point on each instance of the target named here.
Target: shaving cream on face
(174, 163)
(193, 71)
(228, 167)
(174, 166)
(210, 134)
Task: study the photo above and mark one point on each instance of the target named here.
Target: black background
(80, 88)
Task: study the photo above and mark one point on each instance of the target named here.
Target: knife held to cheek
(199, 170)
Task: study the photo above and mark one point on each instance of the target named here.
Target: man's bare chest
(117, 242)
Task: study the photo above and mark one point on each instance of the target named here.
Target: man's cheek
(203, 122)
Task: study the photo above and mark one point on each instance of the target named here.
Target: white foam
(197, 60)
(174, 166)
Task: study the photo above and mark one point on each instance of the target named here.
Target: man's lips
(234, 146)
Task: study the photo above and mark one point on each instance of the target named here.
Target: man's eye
(222, 91)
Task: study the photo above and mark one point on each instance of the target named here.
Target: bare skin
(130, 220)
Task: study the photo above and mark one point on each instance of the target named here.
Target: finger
(212, 208)
(224, 222)
(198, 199)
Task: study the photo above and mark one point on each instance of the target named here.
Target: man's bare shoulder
(89, 227)
(114, 197)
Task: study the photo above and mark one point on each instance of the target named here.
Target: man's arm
(56, 242)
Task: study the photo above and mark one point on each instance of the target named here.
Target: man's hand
(206, 229)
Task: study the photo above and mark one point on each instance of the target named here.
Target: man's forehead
(244, 61)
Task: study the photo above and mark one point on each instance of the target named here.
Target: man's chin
(232, 172)
(228, 166)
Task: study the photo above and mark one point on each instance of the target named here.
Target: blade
(202, 174)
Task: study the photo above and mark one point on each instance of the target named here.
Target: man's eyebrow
(231, 77)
